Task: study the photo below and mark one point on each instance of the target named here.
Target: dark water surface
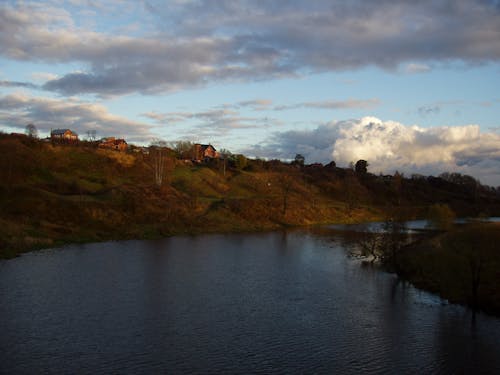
(268, 303)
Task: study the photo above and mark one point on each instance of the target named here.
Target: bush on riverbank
(461, 265)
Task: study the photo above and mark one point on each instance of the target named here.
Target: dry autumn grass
(52, 194)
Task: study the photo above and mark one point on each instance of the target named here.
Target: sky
(411, 86)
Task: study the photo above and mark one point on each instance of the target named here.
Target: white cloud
(389, 146)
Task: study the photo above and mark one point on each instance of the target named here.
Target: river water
(280, 302)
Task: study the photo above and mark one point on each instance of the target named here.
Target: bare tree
(383, 244)
(158, 153)
(351, 193)
(299, 160)
(285, 182)
(184, 149)
(225, 155)
(397, 184)
(370, 245)
(394, 239)
(31, 131)
(91, 135)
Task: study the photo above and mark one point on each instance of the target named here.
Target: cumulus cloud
(389, 146)
(17, 110)
(199, 42)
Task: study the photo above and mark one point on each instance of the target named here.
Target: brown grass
(51, 194)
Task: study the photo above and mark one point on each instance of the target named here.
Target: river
(280, 302)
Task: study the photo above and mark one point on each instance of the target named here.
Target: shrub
(441, 216)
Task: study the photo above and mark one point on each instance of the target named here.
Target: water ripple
(275, 303)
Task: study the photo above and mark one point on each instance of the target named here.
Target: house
(114, 144)
(204, 152)
(63, 135)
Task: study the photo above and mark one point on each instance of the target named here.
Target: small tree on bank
(441, 216)
(369, 243)
(384, 245)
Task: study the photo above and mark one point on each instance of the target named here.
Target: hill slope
(52, 194)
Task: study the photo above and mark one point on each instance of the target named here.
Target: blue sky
(408, 86)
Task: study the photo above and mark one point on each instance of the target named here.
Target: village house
(204, 152)
(63, 135)
(114, 144)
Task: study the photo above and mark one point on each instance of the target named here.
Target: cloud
(193, 43)
(228, 116)
(158, 117)
(27, 85)
(316, 144)
(43, 76)
(389, 146)
(333, 104)
(221, 122)
(18, 110)
(416, 68)
(256, 104)
(428, 110)
(456, 105)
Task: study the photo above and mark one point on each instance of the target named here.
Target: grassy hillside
(52, 194)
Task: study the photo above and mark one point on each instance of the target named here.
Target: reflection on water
(275, 302)
(378, 226)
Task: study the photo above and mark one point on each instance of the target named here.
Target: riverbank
(461, 265)
(18, 238)
(53, 194)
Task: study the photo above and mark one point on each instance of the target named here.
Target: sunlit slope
(52, 194)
